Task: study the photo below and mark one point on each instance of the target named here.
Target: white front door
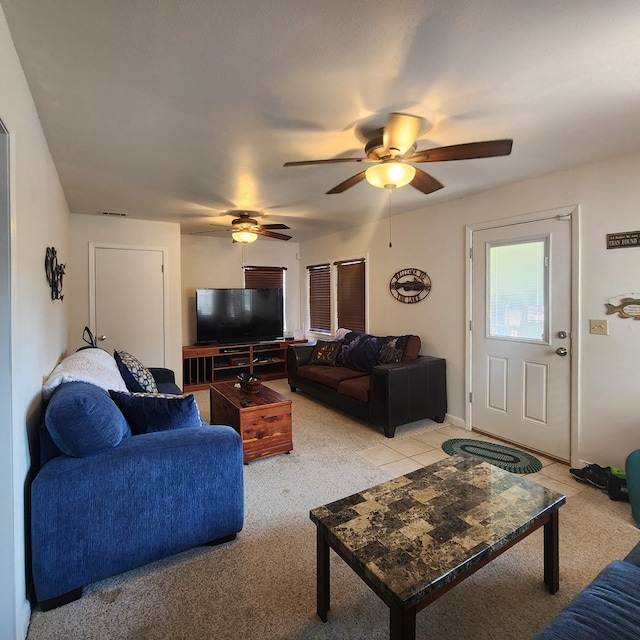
(521, 334)
(128, 302)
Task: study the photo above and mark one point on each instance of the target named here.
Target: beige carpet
(262, 585)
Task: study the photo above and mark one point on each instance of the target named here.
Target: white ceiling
(181, 110)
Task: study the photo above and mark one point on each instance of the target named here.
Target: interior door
(128, 302)
(520, 338)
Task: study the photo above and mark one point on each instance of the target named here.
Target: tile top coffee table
(262, 419)
(413, 538)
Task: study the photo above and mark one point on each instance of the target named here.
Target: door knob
(102, 337)
(561, 351)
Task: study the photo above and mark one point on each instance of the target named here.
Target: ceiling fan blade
(301, 163)
(276, 225)
(401, 132)
(424, 182)
(348, 183)
(467, 151)
(261, 231)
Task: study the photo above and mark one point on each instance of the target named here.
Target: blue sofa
(126, 479)
(608, 608)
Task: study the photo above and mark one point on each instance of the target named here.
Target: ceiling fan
(246, 229)
(394, 146)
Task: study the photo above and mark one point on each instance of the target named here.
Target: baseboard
(455, 421)
(24, 617)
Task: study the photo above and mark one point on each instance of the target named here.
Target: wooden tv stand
(204, 365)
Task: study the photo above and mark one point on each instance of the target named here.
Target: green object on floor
(632, 468)
(506, 458)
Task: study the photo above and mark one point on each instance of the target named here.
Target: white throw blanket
(88, 365)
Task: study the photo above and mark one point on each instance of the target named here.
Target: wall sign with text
(623, 240)
(410, 285)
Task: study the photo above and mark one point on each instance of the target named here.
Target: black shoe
(593, 474)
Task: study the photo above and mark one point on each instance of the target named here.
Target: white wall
(218, 262)
(433, 239)
(39, 219)
(125, 232)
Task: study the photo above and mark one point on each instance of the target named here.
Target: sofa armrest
(408, 391)
(297, 355)
(606, 608)
(165, 380)
(161, 374)
(151, 496)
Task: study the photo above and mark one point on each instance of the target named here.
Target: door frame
(165, 284)
(573, 212)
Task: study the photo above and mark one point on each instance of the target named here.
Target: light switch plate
(599, 327)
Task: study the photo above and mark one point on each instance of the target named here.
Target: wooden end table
(262, 419)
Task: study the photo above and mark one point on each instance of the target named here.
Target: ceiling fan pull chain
(390, 190)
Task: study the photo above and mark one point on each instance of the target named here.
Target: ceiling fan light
(244, 236)
(390, 175)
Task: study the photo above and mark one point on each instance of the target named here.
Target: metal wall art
(55, 273)
(626, 306)
(410, 285)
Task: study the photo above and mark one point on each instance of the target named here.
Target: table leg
(552, 553)
(322, 576)
(402, 624)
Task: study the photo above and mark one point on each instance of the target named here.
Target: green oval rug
(506, 458)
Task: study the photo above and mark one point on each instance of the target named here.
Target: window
(320, 298)
(351, 294)
(267, 278)
(264, 277)
(517, 290)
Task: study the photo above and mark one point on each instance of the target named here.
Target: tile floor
(402, 455)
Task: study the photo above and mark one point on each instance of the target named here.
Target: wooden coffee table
(413, 538)
(264, 424)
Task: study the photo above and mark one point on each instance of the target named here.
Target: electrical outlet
(599, 327)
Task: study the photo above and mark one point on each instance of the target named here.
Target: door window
(517, 290)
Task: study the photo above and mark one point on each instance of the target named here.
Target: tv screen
(225, 316)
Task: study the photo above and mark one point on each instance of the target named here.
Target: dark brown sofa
(389, 395)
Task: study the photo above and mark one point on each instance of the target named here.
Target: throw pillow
(412, 350)
(150, 412)
(392, 350)
(82, 419)
(135, 375)
(390, 354)
(325, 352)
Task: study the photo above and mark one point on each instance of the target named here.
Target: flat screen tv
(225, 316)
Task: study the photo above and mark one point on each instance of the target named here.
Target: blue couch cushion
(135, 375)
(82, 419)
(608, 608)
(150, 412)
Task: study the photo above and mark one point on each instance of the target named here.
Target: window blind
(320, 297)
(351, 294)
(264, 277)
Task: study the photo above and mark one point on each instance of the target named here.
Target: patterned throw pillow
(392, 351)
(151, 412)
(325, 352)
(389, 354)
(135, 375)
